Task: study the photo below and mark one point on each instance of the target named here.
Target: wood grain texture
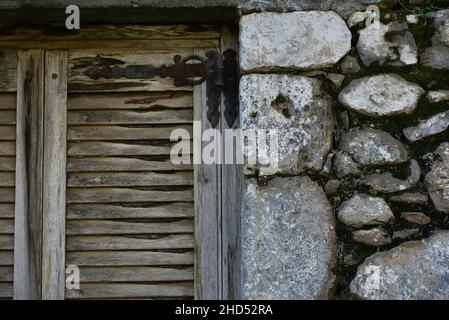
(128, 258)
(7, 163)
(128, 117)
(7, 226)
(110, 32)
(6, 258)
(7, 210)
(116, 149)
(89, 291)
(130, 274)
(54, 179)
(8, 100)
(102, 211)
(6, 242)
(7, 195)
(7, 132)
(92, 243)
(29, 170)
(7, 179)
(6, 274)
(207, 210)
(7, 148)
(120, 132)
(8, 71)
(7, 117)
(126, 179)
(110, 164)
(144, 101)
(6, 290)
(116, 195)
(105, 227)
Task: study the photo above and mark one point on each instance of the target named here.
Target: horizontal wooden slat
(7, 195)
(87, 71)
(81, 133)
(7, 117)
(91, 243)
(89, 291)
(108, 195)
(7, 210)
(6, 226)
(108, 164)
(7, 132)
(6, 258)
(7, 100)
(104, 227)
(7, 148)
(102, 211)
(7, 163)
(6, 290)
(124, 179)
(7, 179)
(129, 274)
(130, 100)
(8, 70)
(110, 32)
(6, 274)
(6, 242)
(115, 149)
(114, 45)
(127, 258)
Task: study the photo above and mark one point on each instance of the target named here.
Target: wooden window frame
(217, 188)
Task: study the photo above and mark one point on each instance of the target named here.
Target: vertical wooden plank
(232, 189)
(54, 183)
(207, 203)
(28, 214)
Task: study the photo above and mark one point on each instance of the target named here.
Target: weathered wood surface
(7, 210)
(104, 211)
(89, 291)
(92, 243)
(6, 258)
(7, 117)
(116, 195)
(7, 132)
(111, 32)
(105, 227)
(127, 258)
(29, 170)
(6, 290)
(129, 117)
(7, 195)
(119, 132)
(117, 149)
(7, 164)
(8, 100)
(131, 274)
(144, 101)
(7, 148)
(6, 242)
(8, 73)
(54, 179)
(86, 70)
(110, 164)
(6, 274)
(7, 179)
(6, 226)
(124, 179)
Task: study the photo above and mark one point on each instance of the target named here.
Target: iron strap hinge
(220, 71)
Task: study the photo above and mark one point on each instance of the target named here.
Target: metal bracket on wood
(221, 75)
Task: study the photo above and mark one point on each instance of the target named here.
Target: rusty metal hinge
(219, 71)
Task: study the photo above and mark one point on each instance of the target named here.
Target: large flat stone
(298, 109)
(299, 40)
(415, 270)
(381, 95)
(429, 127)
(288, 240)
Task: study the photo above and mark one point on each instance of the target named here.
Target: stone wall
(359, 204)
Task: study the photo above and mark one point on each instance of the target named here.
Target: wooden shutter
(97, 187)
